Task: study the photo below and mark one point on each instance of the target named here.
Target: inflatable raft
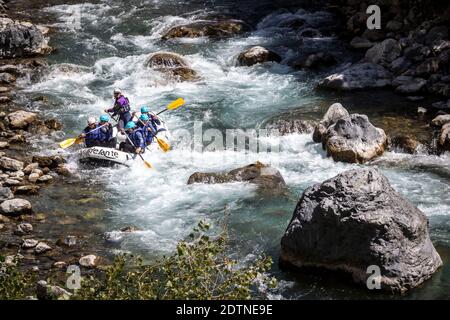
(106, 156)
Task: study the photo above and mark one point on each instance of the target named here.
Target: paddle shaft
(126, 135)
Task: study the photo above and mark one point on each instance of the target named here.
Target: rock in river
(21, 119)
(356, 220)
(10, 164)
(15, 207)
(335, 112)
(206, 28)
(173, 65)
(264, 176)
(359, 76)
(256, 55)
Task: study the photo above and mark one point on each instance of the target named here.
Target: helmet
(130, 125)
(117, 91)
(145, 109)
(104, 118)
(91, 120)
(144, 117)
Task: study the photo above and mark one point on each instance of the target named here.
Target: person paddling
(147, 127)
(135, 142)
(122, 108)
(106, 132)
(91, 134)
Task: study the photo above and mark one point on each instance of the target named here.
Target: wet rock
(63, 170)
(4, 144)
(173, 65)
(4, 100)
(60, 265)
(435, 34)
(417, 52)
(440, 120)
(21, 39)
(400, 65)
(21, 119)
(38, 127)
(409, 85)
(358, 76)
(211, 29)
(41, 248)
(33, 177)
(5, 194)
(50, 162)
(361, 43)
(53, 124)
(6, 78)
(15, 207)
(354, 139)
(406, 143)
(444, 137)
(10, 164)
(356, 220)
(384, 52)
(24, 228)
(4, 219)
(89, 261)
(315, 61)
(285, 127)
(68, 241)
(257, 55)
(421, 111)
(12, 182)
(12, 260)
(29, 243)
(130, 229)
(29, 168)
(335, 112)
(264, 176)
(45, 179)
(17, 139)
(26, 190)
(45, 291)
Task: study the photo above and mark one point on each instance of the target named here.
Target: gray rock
(29, 243)
(42, 247)
(10, 164)
(354, 139)
(21, 39)
(45, 179)
(172, 65)
(24, 228)
(417, 52)
(410, 85)
(89, 261)
(315, 61)
(33, 177)
(287, 126)
(400, 65)
(206, 28)
(264, 176)
(15, 207)
(421, 111)
(440, 120)
(405, 143)
(6, 78)
(45, 291)
(21, 119)
(361, 43)
(435, 34)
(358, 76)
(12, 182)
(384, 52)
(356, 220)
(256, 55)
(5, 194)
(29, 168)
(335, 112)
(394, 25)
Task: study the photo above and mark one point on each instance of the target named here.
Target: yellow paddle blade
(67, 143)
(147, 164)
(175, 104)
(163, 145)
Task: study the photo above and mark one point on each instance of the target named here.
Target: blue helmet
(130, 125)
(104, 118)
(145, 109)
(144, 117)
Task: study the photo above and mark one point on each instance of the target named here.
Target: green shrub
(200, 269)
(14, 284)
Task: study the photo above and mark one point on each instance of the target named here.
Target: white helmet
(117, 91)
(91, 120)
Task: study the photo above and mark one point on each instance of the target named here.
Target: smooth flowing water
(107, 48)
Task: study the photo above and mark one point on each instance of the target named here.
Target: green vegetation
(14, 285)
(200, 269)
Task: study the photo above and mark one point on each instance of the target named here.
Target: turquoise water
(108, 49)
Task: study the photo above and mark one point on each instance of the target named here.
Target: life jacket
(122, 108)
(92, 137)
(106, 132)
(137, 137)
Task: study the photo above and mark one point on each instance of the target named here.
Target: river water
(107, 47)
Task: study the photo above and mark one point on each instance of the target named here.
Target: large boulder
(354, 139)
(357, 77)
(21, 119)
(356, 220)
(15, 207)
(384, 52)
(206, 28)
(264, 176)
(290, 126)
(256, 55)
(335, 112)
(21, 39)
(173, 65)
(50, 162)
